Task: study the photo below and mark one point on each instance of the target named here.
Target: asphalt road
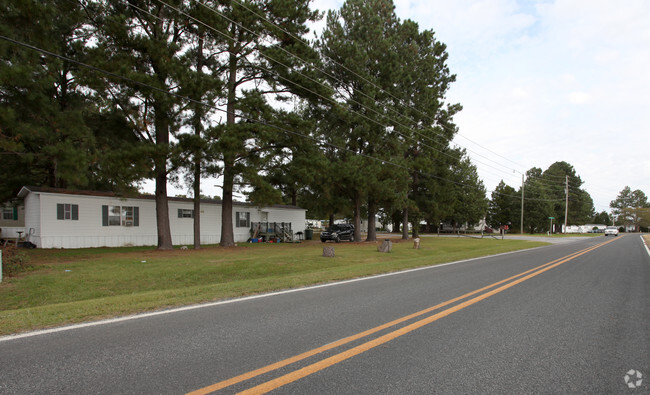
(567, 318)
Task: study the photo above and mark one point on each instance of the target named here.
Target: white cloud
(519, 93)
(550, 80)
(579, 97)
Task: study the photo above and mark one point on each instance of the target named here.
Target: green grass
(71, 286)
(561, 234)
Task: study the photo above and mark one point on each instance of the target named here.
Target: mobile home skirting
(68, 219)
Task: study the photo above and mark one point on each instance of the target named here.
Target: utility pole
(566, 206)
(522, 205)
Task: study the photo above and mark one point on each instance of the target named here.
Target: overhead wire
(319, 141)
(572, 179)
(218, 109)
(381, 89)
(333, 77)
(369, 82)
(315, 81)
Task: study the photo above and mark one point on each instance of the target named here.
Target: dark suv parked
(338, 233)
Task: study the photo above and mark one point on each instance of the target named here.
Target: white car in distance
(611, 230)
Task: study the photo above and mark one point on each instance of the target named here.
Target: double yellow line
(342, 356)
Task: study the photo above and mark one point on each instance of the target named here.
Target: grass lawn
(71, 286)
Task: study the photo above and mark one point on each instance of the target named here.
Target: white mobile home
(58, 218)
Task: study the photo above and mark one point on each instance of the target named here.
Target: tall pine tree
(263, 59)
(144, 41)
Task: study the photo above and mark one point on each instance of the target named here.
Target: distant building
(588, 228)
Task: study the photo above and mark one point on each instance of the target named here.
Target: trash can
(309, 234)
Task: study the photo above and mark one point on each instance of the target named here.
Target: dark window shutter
(180, 213)
(15, 213)
(136, 216)
(104, 215)
(75, 212)
(59, 211)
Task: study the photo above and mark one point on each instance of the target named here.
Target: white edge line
(642, 239)
(243, 299)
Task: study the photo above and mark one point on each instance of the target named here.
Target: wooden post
(386, 246)
(328, 251)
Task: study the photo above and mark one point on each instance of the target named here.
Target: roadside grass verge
(560, 235)
(71, 286)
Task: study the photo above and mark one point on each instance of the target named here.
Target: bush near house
(14, 261)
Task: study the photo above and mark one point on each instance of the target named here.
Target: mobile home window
(185, 213)
(114, 215)
(65, 211)
(243, 220)
(10, 213)
(127, 216)
(120, 216)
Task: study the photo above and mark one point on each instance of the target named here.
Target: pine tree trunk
(396, 220)
(227, 232)
(198, 113)
(357, 217)
(162, 212)
(160, 163)
(405, 224)
(197, 207)
(372, 226)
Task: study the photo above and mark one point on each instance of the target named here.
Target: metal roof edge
(25, 190)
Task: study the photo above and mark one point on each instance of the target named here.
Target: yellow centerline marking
(315, 367)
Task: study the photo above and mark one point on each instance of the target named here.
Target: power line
(548, 183)
(333, 77)
(318, 141)
(380, 88)
(315, 81)
(96, 69)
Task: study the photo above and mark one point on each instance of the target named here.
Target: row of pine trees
(101, 94)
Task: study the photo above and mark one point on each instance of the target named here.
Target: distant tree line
(545, 197)
(631, 209)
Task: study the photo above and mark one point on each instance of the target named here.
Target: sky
(545, 81)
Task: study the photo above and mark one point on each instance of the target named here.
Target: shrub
(14, 261)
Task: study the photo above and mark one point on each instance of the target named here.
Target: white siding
(295, 216)
(183, 228)
(33, 218)
(88, 231)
